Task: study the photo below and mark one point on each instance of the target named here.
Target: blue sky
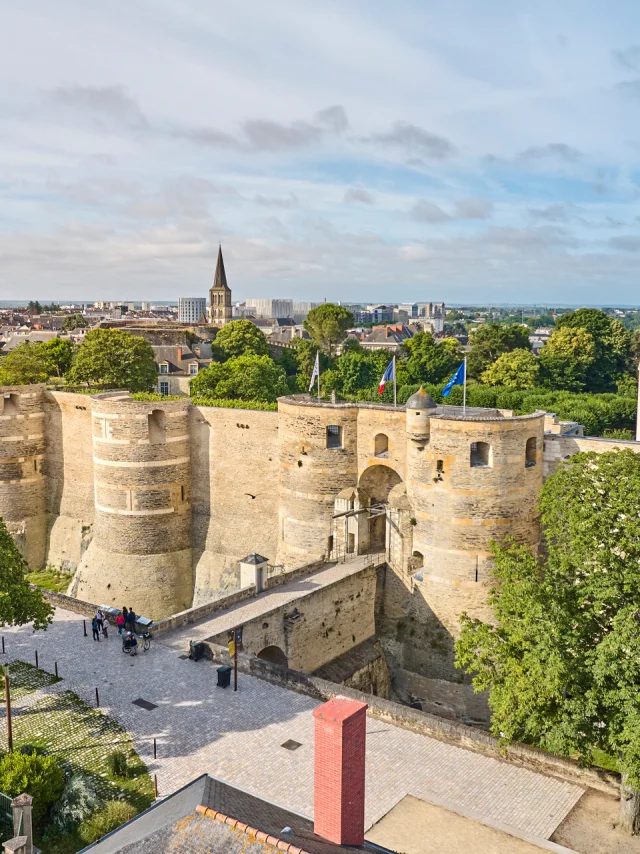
(367, 150)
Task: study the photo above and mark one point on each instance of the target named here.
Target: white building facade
(191, 309)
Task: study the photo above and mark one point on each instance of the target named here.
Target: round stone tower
(140, 555)
(318, 459)
(472, 478)
(22, 477)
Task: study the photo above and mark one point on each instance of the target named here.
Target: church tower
(220, 311)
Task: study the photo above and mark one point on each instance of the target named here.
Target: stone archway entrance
(273, 654)
(377, 482)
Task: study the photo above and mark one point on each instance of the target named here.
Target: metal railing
(6, 813)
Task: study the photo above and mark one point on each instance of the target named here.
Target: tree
(115, 358)
(562, 661)
(356, 369)
(24, 365)
(492, 340)
(517, 369)
(429, 361)
(566, 358)
(327, 324)
(601, 374)
(19, 603)
(58, 353)
(241, 378)
(34, 307)
(73, 321)
(241, 338)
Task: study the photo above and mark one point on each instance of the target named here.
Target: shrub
(104, 820)
(78, 801)
(117, 764)
(39, 776)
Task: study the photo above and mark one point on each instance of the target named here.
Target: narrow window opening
(440, 466)
(480, 454)
(329, 543)
(381, 445)
(182, 493)
(417, 561)
(530, 453)
(11, 404)
(334, 436)
(157, 427)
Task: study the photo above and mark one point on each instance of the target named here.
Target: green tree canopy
(242, 378)
(562, 662)
(26, 364)
(115, 358)
(241, 338)
(327, 324)
(428, 361)
(34, 307)
(19, 603)
(355, 369)
(492, 340)
(611, 351)
(58, 353)
(516, 369)
(73, 321)
(566, 358)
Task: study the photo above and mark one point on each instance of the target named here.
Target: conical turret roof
(420, 400)
(220, 278)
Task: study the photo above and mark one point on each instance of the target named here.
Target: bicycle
(131, 648)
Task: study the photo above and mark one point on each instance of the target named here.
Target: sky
(360, 151)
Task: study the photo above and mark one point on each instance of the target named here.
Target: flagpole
(394, 383)
(464, 389)
(318, 358)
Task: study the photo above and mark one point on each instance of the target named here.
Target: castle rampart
(22, 469)
(155, 502)
(141, 545)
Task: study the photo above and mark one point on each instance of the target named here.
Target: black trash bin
(196, 650)
(224, 676)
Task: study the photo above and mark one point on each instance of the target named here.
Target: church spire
(220, 278)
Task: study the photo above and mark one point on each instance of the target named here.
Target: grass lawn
(81, 737)
(25, 679)
(50, 579)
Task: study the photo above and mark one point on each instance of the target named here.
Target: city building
(177, 365)
(220, 306)
(191, 309)
(380, 314)
(273, 307)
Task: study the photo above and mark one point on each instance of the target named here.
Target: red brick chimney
(340, 739)
(179, 354)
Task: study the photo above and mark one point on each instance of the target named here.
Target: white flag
(316, 372)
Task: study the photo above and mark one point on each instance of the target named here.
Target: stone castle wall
(22, 461)
(161, 520)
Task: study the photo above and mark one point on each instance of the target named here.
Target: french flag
(389, 374)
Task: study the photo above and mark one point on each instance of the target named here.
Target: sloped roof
(220, 277)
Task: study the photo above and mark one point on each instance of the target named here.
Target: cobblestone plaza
(238, 737)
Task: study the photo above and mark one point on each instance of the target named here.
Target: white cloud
(331, 148)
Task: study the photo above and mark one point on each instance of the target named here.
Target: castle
(156, 502)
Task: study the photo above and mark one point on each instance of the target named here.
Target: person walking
(105, 627)
(95, 628)
(125, 617)
(131, 620)
(120, 623)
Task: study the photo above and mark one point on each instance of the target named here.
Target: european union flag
(456, 379)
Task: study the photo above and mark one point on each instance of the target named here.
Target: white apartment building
(273, 307)
(191, 309)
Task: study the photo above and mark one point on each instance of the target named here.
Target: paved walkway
(238, 737)
(251, 609)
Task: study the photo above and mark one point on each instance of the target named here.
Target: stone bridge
(304, 623)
